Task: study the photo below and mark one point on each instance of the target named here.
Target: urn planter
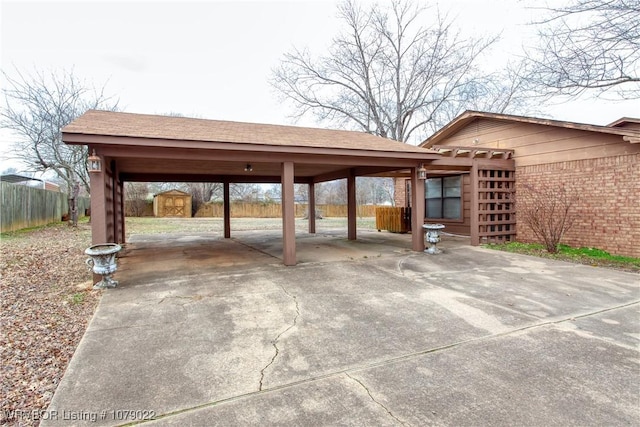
(103, 262)
(433, 237)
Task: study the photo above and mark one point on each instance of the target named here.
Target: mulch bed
(46, 303)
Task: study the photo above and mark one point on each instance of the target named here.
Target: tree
(201, 193)
(589, 46)
(135, 195)
(389, 75)
(36, 107)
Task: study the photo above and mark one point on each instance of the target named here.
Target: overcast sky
(213, 59)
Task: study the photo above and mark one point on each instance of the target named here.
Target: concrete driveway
(207, 331)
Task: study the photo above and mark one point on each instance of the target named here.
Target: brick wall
(608, 209)
(399, 193)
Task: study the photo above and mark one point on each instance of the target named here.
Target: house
(172, 203)
(600, 163)
(30, 182)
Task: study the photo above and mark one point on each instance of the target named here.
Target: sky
(213, 59)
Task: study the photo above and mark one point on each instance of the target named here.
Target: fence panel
(24, 207)
(274, 210)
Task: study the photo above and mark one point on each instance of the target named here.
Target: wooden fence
(396, 220)
(274, 210)
(24, 207)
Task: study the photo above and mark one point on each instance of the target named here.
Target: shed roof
(109, 123)
(172, 191)
(469, 116)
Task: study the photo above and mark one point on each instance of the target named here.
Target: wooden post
(288, 215)
(352, 207)
(98, 206)
(312, 208)
(121, 214)
(417, 211)
(226, 209)
(474, 220)
(117, 204)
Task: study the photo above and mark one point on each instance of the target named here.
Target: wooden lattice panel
(496, 210)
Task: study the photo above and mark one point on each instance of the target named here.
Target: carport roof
(130, 125)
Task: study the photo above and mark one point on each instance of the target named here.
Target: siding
(538, 144)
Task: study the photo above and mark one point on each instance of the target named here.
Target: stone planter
(103, 262)
(433, 237)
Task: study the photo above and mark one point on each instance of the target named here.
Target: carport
(149, 148)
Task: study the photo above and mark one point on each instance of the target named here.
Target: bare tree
(202, 192)
(548, 210)
(136, 195)
(245, 192)
(36, 107)
(388, 74)
(589, 45)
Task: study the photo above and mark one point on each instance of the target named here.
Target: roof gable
(469, 117)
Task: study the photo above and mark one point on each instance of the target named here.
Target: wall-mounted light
(248, 168)
(422, 172)
(94, 164)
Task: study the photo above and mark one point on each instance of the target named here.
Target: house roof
(14, 178)
(623, 121)
(109, 123)
(469, 116)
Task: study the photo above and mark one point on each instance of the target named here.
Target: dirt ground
(46, 302)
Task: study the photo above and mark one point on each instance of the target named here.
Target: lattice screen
(496, 209)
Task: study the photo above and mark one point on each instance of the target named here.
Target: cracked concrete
(275, 341)
(388, 337)
(377, 401)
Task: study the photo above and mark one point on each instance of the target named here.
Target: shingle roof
(109, 123)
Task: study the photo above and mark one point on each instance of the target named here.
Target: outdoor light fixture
(94, 163)
(422, 172)
(248, 168)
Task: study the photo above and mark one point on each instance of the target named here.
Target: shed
(172, 203)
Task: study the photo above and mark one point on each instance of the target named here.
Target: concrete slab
(211, 331)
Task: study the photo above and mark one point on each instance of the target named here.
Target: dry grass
(46, 302)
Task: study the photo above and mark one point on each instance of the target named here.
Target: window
(444, 197)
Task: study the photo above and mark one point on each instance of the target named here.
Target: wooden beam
(288, 215)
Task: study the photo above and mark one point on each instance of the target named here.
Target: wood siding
(537, 144)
